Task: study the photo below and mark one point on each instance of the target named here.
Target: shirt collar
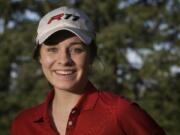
(86, 102)
(88, 99)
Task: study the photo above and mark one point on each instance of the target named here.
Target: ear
(37, 54)
(40, 59)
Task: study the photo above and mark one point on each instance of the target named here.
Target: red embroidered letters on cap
(56, 17)
(66, 16)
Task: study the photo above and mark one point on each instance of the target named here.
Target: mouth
(64, 74)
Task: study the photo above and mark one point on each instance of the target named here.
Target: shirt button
(70, 123)
(73, 112)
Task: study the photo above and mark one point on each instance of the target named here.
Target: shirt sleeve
(135, 121)
(14, 129)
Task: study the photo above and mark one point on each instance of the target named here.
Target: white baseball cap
(69, 19)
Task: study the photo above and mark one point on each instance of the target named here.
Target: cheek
(46, 61)
(83, 62)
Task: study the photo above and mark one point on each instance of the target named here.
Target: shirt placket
(72, 121)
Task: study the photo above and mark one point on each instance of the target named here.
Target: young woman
(66, 49)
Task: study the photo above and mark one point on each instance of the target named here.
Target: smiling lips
(64, 74)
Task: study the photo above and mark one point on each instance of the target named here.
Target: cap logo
(64, 16)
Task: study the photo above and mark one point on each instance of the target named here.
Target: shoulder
(25, 119)
(113, 100)
(27, 115)
(122, 106)
(130, 116)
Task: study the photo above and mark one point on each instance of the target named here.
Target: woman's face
(65, 64)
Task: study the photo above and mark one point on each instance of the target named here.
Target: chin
(71, 86)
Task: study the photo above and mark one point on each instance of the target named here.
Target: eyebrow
(77, 42)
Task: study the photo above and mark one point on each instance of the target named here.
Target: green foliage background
(148, 28)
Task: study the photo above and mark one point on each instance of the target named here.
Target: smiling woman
(65, 63)
(65, 49)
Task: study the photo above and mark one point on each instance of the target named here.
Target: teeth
(64, 72)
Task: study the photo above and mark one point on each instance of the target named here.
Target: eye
(52, 49)
(77, 50)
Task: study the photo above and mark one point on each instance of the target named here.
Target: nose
(64, 58)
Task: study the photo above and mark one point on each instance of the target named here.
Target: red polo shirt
(97, 113)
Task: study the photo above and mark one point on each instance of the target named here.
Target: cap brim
(83, 35)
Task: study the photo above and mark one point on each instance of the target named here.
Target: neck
(65, 100)
(62, 104)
